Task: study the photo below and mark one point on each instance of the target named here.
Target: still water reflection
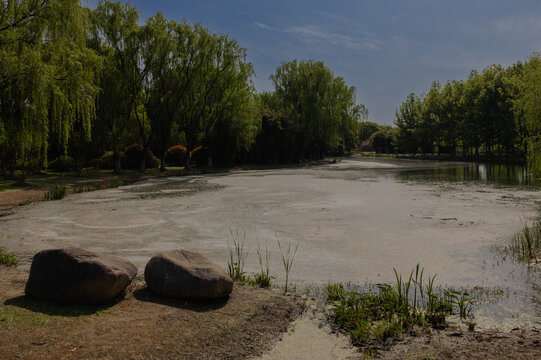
(497, 174)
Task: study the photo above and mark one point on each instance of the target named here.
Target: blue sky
(385, 48)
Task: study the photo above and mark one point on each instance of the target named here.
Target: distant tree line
(495, 113)
(96, 87)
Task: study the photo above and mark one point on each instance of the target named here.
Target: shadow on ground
(55, 309)
(192, 305)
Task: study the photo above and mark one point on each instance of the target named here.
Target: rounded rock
(186, 275)
(75, 275)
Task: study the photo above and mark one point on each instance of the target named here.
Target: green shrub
(56, 193)
(63, 164)
(7, 259)
(153, 162)
(107, 161)
(133, 154)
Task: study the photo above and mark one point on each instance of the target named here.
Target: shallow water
(354, 222)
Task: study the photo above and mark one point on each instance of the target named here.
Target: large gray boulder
(74, 275)
(186, 275)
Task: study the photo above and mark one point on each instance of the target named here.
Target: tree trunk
(142, 162)
(209, 162)
(118, 165)
(162, 164)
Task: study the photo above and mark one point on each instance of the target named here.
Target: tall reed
(263, 279)
(287, 260)
(237, 256)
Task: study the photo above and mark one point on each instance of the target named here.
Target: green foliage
(56, 193)
(366, 129)
(534, 156)
(7, 259)
(382, 141)
(62, 164)
(115, 183)
(103, 79)
(375, 316)
(319, 110)
(47, 87)
(494, 112)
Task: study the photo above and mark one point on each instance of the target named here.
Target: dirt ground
(141, 325)
(520, 343)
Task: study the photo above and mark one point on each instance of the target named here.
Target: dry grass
(141, 325)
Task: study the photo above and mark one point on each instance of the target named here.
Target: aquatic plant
(287, 260)
(392, 310)
(263, 279)
(57, 192)
(526, 244)
(237, 256)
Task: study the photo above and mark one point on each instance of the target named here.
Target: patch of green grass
(11, 316)
(7, 259)
(375, 316)
(115, 183)
(56, 193)
(25, 311)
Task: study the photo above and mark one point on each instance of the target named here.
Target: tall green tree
(46, 79)
(115, 35)
(320, 108)
(528, 107)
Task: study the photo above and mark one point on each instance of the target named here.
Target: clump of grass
(237, 257)
(375, 316)
(7, 259)
(263, 279)
(115, 183)
(77, 189)
(287, 260)
(526, 244)
(57, 192)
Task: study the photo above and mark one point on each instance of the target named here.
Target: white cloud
(263, 26)
(319, 34)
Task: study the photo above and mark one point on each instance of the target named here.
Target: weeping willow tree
(116, 36)
(214, 79)
(46, 80)
(320, 107)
